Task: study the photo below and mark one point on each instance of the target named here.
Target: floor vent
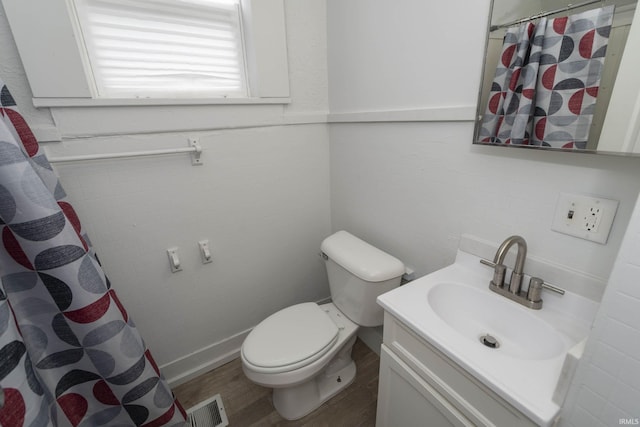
(209, 413)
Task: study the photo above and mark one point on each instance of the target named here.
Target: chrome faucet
(516, 276)
(513, 291)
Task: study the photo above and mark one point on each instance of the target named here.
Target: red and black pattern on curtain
(69, 352)
(509, 113)
(571, 63)
(547, 95)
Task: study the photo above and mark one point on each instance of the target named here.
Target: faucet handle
(499, 271)
(550, 287)
(487, 262)
(535, 289)
(536, 285)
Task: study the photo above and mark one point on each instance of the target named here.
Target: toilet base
(295, 402)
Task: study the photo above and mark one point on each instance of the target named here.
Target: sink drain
(489, 341)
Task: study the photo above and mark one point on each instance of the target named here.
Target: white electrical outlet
(592, 219)
(585, 217)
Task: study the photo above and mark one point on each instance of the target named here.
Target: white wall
(414, 188)
(12, 73)
(625, 102)
(506, 11)
(606, 389)
(261, 198)
(402, 54)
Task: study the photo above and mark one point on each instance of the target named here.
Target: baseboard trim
(207, 358)
(201, 361)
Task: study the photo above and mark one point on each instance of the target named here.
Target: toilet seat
(289, 339)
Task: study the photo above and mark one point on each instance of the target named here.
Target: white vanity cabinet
(419, 386)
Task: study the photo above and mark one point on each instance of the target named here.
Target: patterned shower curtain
(70, 354)
(547, 80)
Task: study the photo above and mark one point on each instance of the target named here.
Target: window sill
(147, 102)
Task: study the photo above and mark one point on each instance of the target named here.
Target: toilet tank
(358, 273)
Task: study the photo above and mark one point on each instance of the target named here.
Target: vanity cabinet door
(470, 400)
(405, 399)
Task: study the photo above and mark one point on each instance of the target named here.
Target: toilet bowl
(306, 359)
(303, 352)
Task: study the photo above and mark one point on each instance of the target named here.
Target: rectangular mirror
(550, 79)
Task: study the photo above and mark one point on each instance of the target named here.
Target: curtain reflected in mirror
(549, 76)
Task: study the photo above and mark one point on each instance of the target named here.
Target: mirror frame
(622, 119)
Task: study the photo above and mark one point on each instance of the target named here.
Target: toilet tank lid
(360, 258)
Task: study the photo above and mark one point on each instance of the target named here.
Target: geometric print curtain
(547, 80)
(70, 355)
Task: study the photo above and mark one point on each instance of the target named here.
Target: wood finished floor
(247, 404)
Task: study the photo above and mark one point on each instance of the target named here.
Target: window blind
(164, 48)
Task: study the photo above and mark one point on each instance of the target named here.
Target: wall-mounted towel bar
(194, 148)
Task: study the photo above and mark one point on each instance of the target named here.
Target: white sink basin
(474, 314)
(453, 307)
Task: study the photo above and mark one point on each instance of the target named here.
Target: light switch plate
(586, 217)
(205, 251)
(174, 260)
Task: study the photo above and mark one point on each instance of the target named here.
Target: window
(146, 52)
(163, 48)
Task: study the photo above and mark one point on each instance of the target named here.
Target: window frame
(58, 76)
(230, 13)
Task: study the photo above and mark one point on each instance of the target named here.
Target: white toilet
(303, 352)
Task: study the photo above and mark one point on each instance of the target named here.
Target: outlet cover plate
(575, 216)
